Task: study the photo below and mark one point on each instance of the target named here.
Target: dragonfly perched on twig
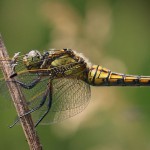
(56, 83)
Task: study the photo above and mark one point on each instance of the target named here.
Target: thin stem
(19, 102)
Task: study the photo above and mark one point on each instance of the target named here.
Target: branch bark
(19, 102)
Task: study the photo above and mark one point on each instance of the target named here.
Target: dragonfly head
(32, 60)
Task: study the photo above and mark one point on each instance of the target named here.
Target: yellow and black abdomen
(99, 76)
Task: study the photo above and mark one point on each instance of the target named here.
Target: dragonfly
(56, 83)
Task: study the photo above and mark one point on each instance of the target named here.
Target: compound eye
(34, 53)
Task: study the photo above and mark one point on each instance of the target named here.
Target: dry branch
(19, 102)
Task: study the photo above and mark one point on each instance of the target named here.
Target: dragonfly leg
(48, 108)
(39, 106)
(32, 110)
(30, 85)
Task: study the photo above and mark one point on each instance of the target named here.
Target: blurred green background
(112, 33)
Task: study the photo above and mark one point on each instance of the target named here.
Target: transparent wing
(3, 87)
(70, 96)
(35, 94)
(5, 97)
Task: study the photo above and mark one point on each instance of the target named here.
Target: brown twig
(19, 102)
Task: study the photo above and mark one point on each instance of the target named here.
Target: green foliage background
(112, 33)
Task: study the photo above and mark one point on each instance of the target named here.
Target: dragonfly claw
(15, 57)
(13, 65)
(16, 121)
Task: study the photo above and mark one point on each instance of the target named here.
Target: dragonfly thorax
(52, 58)
(55, 63)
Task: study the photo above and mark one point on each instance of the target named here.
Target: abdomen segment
(99, 76)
